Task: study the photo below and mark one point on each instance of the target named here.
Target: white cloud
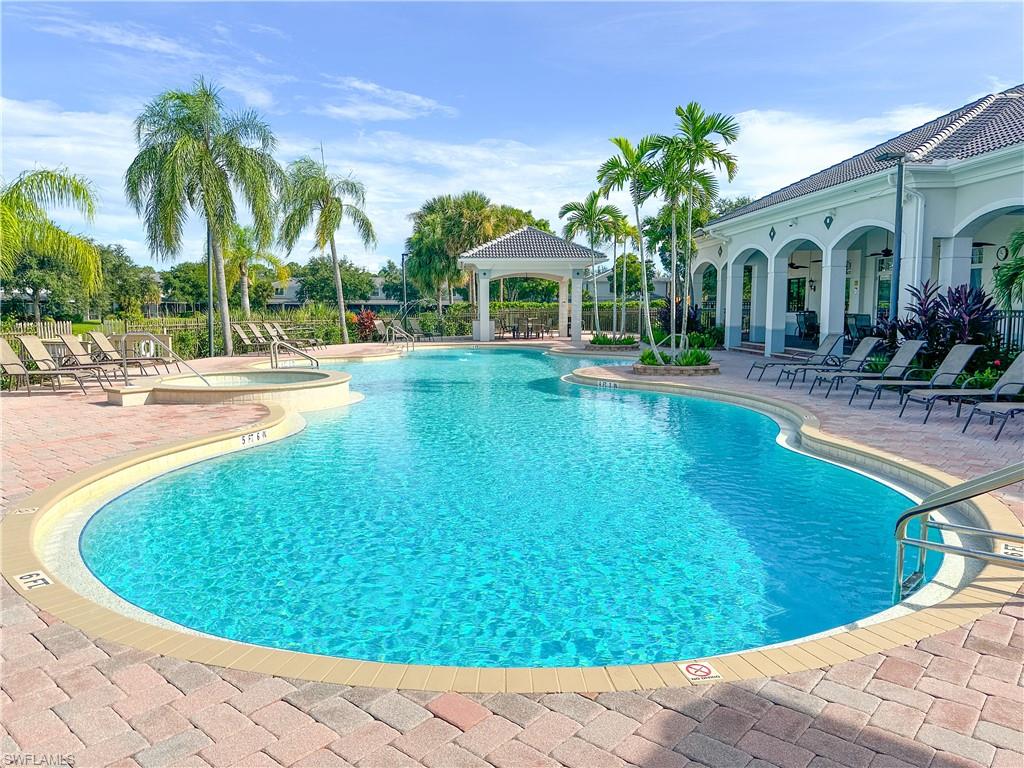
(123, 35)
(264, 29)
(367, 101)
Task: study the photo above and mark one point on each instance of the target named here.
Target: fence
(47, 329)
(1010, 324)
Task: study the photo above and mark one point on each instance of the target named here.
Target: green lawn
(79, 328)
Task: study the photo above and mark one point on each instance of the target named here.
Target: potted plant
(690, 362)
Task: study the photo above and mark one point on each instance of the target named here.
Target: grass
(79, 328)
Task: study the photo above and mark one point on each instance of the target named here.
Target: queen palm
(192, 155)
(313, 197)
(631, 170)
(675, 180)
(242, 250)
(595, 219)
(26, 226)
(616, 234)
(695, 147)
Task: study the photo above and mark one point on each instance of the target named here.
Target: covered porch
(530, 252)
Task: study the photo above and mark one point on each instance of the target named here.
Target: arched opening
(866, 276)
(794, 296)
(745, 280)
(704, 289)
(978, 249)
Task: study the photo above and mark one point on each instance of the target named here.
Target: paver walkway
(956, 699)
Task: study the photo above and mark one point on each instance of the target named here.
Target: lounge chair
(417, 330)
(313, 341)
(275, 331)
(896, 369)
(825, 353)
(381, 329)
(950, 367)
(111, 355)
(249, 344)
(36, 350)
(1010, 383)
(852, 364)
(1004, 411)
(12, 366)
(257, 334)
(79, 356)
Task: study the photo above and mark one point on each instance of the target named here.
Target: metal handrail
(393, 331)
(178, 359)
(993, 481)
(275, 355)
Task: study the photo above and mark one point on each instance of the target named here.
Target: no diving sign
(700, 672)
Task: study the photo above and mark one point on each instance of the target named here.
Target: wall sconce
(812, 285)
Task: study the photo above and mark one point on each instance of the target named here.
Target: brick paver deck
(955, 699)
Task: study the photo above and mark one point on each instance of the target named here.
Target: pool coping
(27, 524)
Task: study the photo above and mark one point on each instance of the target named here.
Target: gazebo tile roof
(985, 125)
(531, 243)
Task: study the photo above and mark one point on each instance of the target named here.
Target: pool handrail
(175, 357)
(275, 353)
(1014, 473)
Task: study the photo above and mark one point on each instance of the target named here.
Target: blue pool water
(476, 510)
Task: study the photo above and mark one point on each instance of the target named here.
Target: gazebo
(530, 252)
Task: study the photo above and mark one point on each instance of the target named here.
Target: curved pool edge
(26, 526)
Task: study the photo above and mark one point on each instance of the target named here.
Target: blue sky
(516, 100)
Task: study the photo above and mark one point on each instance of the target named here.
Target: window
(977, 264)
(279, 291)
(796, 293)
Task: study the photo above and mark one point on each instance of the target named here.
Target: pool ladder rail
(395, 335)
(275, 353)
(904, 586)
(173, 356)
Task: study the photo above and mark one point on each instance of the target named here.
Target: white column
(577, 305)
(720, 278)
(483, 300)
(832, 314)
(775, 316)
(954, 261)
(758, 296)
(733, 305)
(563, 307)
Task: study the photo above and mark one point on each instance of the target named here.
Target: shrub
(693, 357)
(331, 334)
(651, 357)
(604, 340)
(876, 363)
(365, 326)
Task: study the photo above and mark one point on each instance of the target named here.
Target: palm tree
(616, 233)
(243, 249)
(27, 227)
(631, 169)
(674, 179)
(628, 233)
(315, 197)
(1009, 277)
(694, 147)
(192, 154)
(595, 220)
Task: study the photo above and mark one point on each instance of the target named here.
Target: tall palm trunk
(645, 300)
(593, 274)
(672, 296)
(615, 290)
(689, 244)
(36, 307)
(222, 295)
(339, 290)
(243, 276)
(624, 240)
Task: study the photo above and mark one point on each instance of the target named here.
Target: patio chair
(825, 353)
(40, 355)
(1009, 384)
(807, 324)
(852, 364)
(257, 334)
(382, 330)
(313, 341)
(950, 367)
(1004, 411)
(248, 343)
(896, 369)
(110, 354)
(417, 330)
(83, 359)
(11, 365)
(275, 334)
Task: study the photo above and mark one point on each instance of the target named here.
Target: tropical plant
(597, 221)
(1008, 278)
(604, 340)
(192, 155)
(243, 250)
(365, 324)
(313, 197)
(692, 147)
(631, 169)
(27, 227)
(693, 356)
(654, 357)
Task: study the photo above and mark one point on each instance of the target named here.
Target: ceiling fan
(885, 253)
(794, 265)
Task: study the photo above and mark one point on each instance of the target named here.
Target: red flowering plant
(365, 326)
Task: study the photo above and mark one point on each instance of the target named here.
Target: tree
(315, 197)
(318, 283)
(1009, 278)
(393, 286)
(127, 287)
(185, 283)
(724, 205)
(27, 228)
(631, 169)
(192, 154)
(243, 250)
(693, 146)
(40, 276)
(596, 220)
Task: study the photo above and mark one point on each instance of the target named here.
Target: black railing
(1010, 324)
(745, 319)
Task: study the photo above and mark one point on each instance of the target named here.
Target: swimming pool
(476, 510)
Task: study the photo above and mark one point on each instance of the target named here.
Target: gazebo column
(483, 301)
(563, 307)
(577, 305)
(720, 297)
(775, 316)
(733, 305)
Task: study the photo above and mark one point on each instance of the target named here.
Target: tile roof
(990, 123)
(531, 243)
